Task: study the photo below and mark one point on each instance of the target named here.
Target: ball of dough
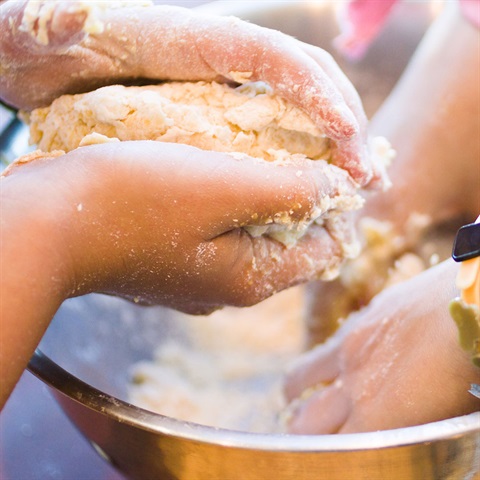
(249, 119)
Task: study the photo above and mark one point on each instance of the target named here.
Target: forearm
(32, 282)
(432, 119)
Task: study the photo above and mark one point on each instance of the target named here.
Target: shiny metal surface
(87, 351)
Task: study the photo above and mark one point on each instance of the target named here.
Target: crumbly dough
(248, 119)
(228, 369)
(225, 370)
(386, 258)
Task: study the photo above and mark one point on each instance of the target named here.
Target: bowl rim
(92, 398)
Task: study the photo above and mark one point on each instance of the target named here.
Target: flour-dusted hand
(156, 223)
(394, 364)
(164, 222)
(50, 48)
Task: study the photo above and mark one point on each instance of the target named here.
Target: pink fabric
(471, 11)
(362, 20)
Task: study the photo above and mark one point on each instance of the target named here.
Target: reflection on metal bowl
(93, 341)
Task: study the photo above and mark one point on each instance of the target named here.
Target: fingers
(268, 55)
(205, 47)
(261, 193)
(353, 153)
(324, 412)
(319, 402)
(344, 85)
(164, 43)
(239, 190)
(239, 270)
(316, 367)
(244, 191)
(242, 270)
(268, 267)
(289, 196)
(226, 47)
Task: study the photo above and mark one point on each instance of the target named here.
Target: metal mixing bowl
(86, 353)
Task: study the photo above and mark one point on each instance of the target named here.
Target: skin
(442, 132)
(396, 363)
(159, 228)
(152, 222)
(172, 43)
(405, 339)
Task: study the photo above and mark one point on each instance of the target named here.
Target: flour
(38, 15)
(228, 373)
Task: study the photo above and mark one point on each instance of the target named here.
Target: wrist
(31, 234)
(62, 216)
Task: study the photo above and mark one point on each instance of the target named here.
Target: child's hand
(153, 222)
(394, 364)
(162, 222)
(43, 59)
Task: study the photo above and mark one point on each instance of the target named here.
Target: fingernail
(293, 409)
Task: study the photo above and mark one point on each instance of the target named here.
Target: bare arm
(432, 119)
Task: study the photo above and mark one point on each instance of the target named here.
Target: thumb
(278, 197)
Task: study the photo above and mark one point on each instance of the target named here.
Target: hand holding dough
(164, 225)
(249, 120)
(52, 48)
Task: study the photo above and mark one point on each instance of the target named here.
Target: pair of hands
(42, 61)
(153, 222)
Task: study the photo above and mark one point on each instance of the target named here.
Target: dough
(226, 370)
(248, 119)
